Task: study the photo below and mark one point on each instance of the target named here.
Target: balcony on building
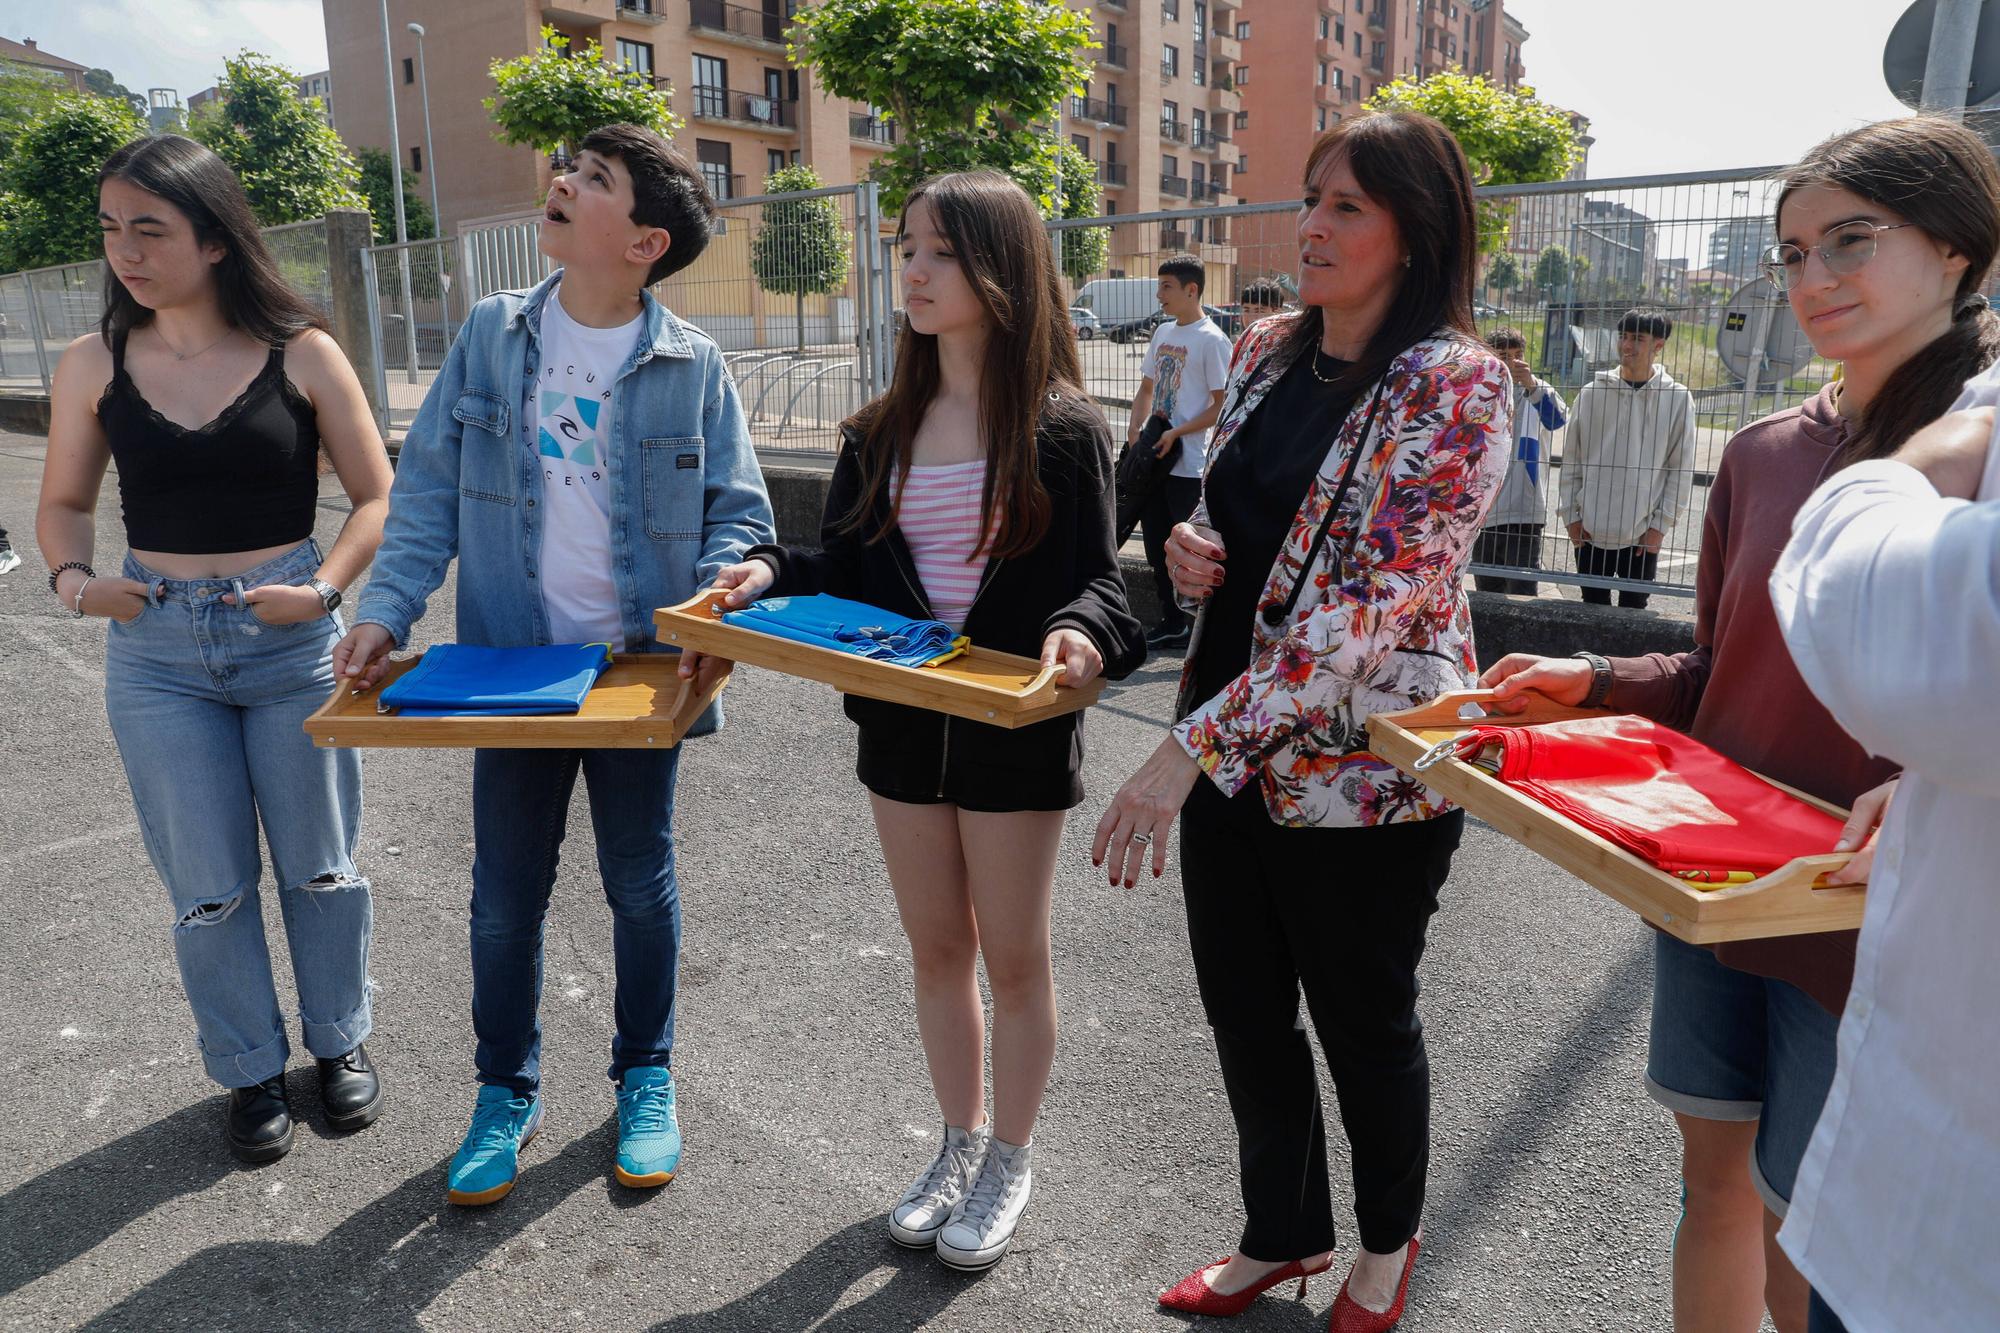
(1209, 136)
(1177, 186)
(1378, 18)
(1173, 131)
(1218, 8)
(642, 11)
(1376, 66)
(1172, 237)
(755, 26)
(1098, 111)
(872, 129)
(580, 13)
(1111, 4)
(1169, 70)
(1227, 98)
(1111, 174)
(1226, 46)
(1113, 55)
(756, 110)
(722, 185)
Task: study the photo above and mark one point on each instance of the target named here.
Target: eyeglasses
(1845, 249)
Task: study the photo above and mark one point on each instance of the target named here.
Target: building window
(1199, 74)
(1200, 127)
(636, 56)
(1169, 165)
(712, 157)
(1242, 75)
(1242, 163)
(774, 160)
(1195, 233)
(409, 70)
(1170, 61)
(1322, 73)
(711, 86)
(1325, 26)
(1243, 31)
(1170, 9)
(1357, 43)
(1200, 22)
(416, 158)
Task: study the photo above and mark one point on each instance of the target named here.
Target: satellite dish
(1757, 336)
(1904, 58)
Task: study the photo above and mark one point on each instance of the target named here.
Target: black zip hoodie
(1070, 580)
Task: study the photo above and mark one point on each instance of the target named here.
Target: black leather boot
(349, 1090)
(260, 1121)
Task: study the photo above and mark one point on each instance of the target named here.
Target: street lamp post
(430, 149)
(402, 222)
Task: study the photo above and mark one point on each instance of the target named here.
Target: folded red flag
(1659, 794)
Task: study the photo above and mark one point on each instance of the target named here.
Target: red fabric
(1659, 794)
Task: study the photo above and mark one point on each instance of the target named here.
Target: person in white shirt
(1628, 461)
(1182, 378)
(1889, 597)
(1513, 531)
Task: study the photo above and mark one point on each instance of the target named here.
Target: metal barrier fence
(43, 310)
(787, 289)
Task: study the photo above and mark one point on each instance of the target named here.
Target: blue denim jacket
(687, 495)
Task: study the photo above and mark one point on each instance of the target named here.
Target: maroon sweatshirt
(1738, 691)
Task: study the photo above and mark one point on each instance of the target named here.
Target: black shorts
(919, 757)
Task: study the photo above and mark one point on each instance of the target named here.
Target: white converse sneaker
(927, 1204)
(982, 1225)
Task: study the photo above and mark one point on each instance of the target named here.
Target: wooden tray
(640, 703)
(1783, 902)
(983, 685)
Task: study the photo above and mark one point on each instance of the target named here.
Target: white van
(1123, 306)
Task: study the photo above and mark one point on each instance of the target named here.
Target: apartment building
(25, 57)
(1310, 62)
(1159, 118)
(747, 111)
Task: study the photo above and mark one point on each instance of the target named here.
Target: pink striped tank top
(940, 520)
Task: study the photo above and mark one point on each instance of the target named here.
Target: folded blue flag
(464, 680)
(848, 627)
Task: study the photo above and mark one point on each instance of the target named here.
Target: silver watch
(329, 596)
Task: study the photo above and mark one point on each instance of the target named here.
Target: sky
(1686, 86)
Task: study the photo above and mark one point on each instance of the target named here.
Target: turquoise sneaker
(649, 1131)
(484, 1168)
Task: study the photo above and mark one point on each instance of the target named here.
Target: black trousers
(1518, 544)
(1170, 503)
(1340, 915)
(1623, 562)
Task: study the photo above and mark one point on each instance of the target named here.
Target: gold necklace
(1315, 369)
(184, 356)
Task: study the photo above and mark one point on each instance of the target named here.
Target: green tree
(100, 82)
(24, 97)
(801, 246)
(292, 165)
(48, 181)
(1084, 249)
(549, 99)
(1503, 275)
(1509, 138)
(380, 192)
(1557, 270)
(966, 82)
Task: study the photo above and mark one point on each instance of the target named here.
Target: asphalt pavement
(1553, 1188)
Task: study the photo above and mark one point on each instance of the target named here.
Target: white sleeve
(1889, 598)
(1215, 373)
(1149, 368)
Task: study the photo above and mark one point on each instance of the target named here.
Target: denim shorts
(1730, 1045)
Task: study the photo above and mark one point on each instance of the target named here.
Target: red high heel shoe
(1351, 1316)
(1191, 1295)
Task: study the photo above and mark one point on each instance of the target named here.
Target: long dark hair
(1030, 373)
(1939, 175)
(253, 295)
(1411, 166)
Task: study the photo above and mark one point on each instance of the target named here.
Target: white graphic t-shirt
(1187, 363)
(571, 404)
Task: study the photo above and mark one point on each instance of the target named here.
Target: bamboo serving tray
(1783, 902)
(981, 684)
(639, 703)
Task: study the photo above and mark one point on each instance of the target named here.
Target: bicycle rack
(799, 392)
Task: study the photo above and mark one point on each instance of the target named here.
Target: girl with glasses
(1886, 235)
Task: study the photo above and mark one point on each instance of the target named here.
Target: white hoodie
(1628, 458)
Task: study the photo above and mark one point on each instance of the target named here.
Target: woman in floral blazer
(1361, 443)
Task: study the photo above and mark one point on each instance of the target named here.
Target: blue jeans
(1820, 1317)
(208, 705)
(520, 811)
(1730, 1045)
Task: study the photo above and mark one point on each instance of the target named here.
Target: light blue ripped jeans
(208, 705)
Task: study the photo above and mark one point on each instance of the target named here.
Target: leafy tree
(801, 248)
(964, 80)
(380, 192)
(100, 82)
(1503, 275)
(1557, 270)
(549, 99)
(292, 165)
(1084, 249)
(1509, 138)
(23, 98)
(48, 182)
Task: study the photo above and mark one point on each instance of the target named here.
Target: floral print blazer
(1382, 622)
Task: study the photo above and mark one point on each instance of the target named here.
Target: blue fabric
(847, 627)
(687, 495)
(464, 680)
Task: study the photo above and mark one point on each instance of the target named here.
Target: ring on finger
(1143, 839)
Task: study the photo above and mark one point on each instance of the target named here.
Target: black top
(247, 480)
(1069, 580)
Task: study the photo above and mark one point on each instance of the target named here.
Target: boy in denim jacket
(584, 456)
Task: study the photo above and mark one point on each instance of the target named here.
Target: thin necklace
(1315, 370)
(188, 356)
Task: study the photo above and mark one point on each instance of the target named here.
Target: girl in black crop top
(214, 388)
